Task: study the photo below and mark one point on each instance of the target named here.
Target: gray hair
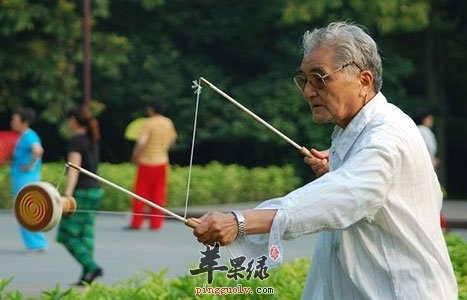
(351, 43)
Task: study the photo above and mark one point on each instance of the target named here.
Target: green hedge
(154, 286)
(288, 281)
(210, 184)
(458, 253)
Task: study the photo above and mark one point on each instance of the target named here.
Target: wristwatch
(241, 233)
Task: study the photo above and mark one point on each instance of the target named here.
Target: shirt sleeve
(354, 191)
(32, 139)
(74, 145)
(269, 245)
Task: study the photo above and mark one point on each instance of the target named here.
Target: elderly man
(377, 201)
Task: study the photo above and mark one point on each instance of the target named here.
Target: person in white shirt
(425, 120)
(376, 203)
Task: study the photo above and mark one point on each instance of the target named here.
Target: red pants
(151, 184)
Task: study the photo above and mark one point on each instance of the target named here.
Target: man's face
(338, 101)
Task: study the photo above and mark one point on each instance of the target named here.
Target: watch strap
(241, 233)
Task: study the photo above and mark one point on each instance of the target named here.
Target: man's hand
(216, 227)
(319, 163)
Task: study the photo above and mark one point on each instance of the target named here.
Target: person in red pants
(150, 154)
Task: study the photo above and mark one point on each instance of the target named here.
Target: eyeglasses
(317, 80)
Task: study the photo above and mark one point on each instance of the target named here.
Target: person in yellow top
(150, 154)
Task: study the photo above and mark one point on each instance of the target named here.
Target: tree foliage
(41, 54)
(249, 49)
(386, 16)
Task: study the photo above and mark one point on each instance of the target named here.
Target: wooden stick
(302, 149)
(189, 222)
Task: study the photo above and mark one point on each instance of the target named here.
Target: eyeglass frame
(304, 77)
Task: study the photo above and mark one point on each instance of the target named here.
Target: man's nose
(310, 91)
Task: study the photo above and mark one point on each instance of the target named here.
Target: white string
(110, 212)
(104, 211)
(61, 177)
(118, 213)
(197, 87)
(121, 213)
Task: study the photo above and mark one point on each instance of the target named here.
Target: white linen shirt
(377, 212)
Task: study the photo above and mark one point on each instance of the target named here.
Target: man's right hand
(319, 163)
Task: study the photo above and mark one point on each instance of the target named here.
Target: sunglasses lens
(316, 80)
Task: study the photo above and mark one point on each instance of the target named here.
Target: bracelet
(241, 233)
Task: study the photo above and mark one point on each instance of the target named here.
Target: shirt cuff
(268, 245)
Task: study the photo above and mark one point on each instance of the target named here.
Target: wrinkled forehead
(318, 59)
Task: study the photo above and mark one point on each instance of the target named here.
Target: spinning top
(39, 206)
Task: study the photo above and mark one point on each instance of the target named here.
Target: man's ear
(366, 82)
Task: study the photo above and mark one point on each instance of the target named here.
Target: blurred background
(127, 52)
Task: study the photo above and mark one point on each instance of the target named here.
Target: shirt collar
(343, 139)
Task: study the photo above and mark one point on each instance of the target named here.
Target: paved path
(122, 254)
(456, 212)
